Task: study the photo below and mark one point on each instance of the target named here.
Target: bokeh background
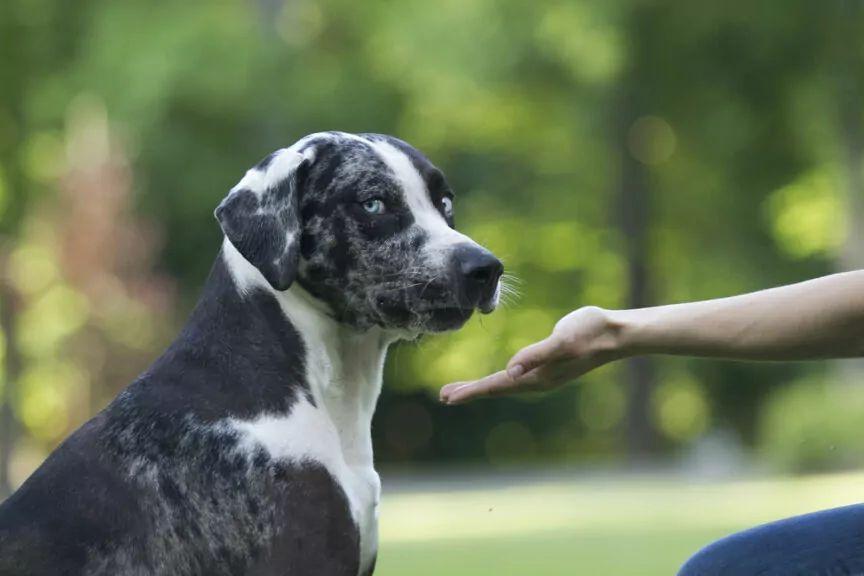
(617, 153)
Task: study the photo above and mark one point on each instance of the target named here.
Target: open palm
(580, 342)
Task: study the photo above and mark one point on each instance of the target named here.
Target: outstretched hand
(581, 341)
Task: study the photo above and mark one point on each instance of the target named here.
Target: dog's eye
(374, 206)
(447, 203)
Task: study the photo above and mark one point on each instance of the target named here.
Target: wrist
(623, 328)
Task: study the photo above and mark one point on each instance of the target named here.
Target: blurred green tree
(618, 154)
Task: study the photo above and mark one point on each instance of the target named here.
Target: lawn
(641, 526)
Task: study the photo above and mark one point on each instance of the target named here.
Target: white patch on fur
(442, 238)
(310, 434)
(344, 371)
(302, 435)
(283, 163)
(245, 275)
(426, 215)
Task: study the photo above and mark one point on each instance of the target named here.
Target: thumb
(534, 356)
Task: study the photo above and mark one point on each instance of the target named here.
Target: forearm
(819, 318)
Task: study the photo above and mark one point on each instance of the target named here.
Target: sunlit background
(617, 153)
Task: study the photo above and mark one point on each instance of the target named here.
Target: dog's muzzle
(477, 272)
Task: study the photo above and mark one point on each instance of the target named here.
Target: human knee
(705, 562)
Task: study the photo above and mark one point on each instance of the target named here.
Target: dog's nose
(479, 271)
(480, 267)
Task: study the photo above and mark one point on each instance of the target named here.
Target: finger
(534, 356)
(447, 390)
(492, 385)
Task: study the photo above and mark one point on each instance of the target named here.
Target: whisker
(510, 291)
(428, 284)
(513, 278)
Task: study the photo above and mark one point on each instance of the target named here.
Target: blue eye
(447, 203)
(374, 206)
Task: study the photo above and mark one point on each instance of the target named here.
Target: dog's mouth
(489, 302)
(449, 315)
(423, 317)
(434, 307)
(444, 319)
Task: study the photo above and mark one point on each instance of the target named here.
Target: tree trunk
(11, 372)
(852, 138)
(634, 202)
(850, 119)
(16, 68)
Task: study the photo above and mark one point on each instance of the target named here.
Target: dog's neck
(344, 367)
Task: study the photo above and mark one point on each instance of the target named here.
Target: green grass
(643, 527)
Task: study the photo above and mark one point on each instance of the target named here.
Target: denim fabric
(827, 543)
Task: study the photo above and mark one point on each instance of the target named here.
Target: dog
(246, 449)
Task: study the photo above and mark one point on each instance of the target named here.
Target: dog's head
(364, 223)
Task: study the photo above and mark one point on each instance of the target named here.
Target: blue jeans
(827, 543)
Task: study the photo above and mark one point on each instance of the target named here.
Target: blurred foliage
(808, 215)
(163, 106)
(813, 426)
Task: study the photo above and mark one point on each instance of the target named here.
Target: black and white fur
(245, 449)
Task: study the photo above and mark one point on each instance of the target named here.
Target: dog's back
(60, 512)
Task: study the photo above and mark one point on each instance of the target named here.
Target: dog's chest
(363, 488)
(309, 434)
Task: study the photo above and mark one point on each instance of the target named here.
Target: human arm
(820, 318)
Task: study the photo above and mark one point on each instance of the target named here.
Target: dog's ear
(261, 216)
